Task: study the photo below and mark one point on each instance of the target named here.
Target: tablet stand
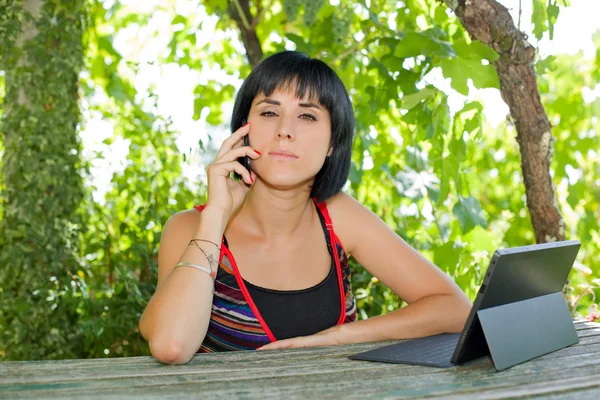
(518, 332)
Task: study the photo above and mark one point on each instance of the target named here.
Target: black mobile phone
(245, 161)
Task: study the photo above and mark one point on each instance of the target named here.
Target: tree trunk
(490, 23)
(41, 172)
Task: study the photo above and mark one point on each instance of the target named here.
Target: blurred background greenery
(111, 108)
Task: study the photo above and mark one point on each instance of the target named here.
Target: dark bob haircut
(295, 70)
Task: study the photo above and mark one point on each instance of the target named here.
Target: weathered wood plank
(148, 365)
(390, 386)
(317, 374)
(212, 364)
(583, 394)
(299, 373)
(258, 362)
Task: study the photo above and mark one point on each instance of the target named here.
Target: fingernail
(258, 152)
(245, 124)
(251, 179)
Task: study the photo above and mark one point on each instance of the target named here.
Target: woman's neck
(276, 216)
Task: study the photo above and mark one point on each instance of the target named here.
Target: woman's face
(282, 123)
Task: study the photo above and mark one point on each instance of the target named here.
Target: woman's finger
(232, 140)
(226, 168)
(237, 152)
(280, 344)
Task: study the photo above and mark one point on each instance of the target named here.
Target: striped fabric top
(236, 323)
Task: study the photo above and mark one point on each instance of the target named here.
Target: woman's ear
(330, 152)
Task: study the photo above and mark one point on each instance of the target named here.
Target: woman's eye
(309, 117)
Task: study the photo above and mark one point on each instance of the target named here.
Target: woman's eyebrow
(277, 103)
(311, 105)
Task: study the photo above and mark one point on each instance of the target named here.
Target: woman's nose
(286, 131)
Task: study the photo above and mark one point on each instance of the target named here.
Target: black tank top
(292, 313)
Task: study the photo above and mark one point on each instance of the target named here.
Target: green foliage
(575, 127)
(291, 8)
(443, 179)
(42, 183)
(211, 96)
(11, 17)
(311, 9)
(121, 241)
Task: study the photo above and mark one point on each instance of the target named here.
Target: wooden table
(312, 373)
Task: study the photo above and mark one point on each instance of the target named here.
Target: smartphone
(245, 161)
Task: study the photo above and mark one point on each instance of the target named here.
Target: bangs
(304, 84)
(303, 76)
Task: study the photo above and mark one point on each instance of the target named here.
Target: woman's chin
(283, 181)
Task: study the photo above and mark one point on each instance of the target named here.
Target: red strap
(323, 209)
(334, 240)
(246, 293)
(242, 285)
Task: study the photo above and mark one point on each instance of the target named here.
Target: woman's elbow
(169, 352)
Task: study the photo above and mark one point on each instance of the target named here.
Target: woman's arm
(435, 303)
(176, 318)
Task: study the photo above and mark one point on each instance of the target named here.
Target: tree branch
(242, 15)
(239, 10)
(520, 12)
(346, 53)
(261, 13)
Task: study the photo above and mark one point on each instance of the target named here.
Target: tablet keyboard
(434, 350)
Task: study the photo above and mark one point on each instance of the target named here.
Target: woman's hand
(224, 193)
(328, 337)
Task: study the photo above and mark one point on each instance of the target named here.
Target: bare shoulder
(182, 223)
(343, 210)
(185, 217)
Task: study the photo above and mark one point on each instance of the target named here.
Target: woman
(292, 230)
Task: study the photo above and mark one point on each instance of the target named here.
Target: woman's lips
(283, 156)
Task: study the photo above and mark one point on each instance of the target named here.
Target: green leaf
(481, 239)
(472, 105)
(474, 50)
(179, 19)
(454, 69)
(469, 213)
(427, 43)
(409, 101)
(458, 147)
(553, 11)
(212, 95)
(441, 118)
(545, 65)
(106, 43)
(447, 256)
(447, 169)
(459, 70)
(301, 44)
(539, 18)
(215, 6)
